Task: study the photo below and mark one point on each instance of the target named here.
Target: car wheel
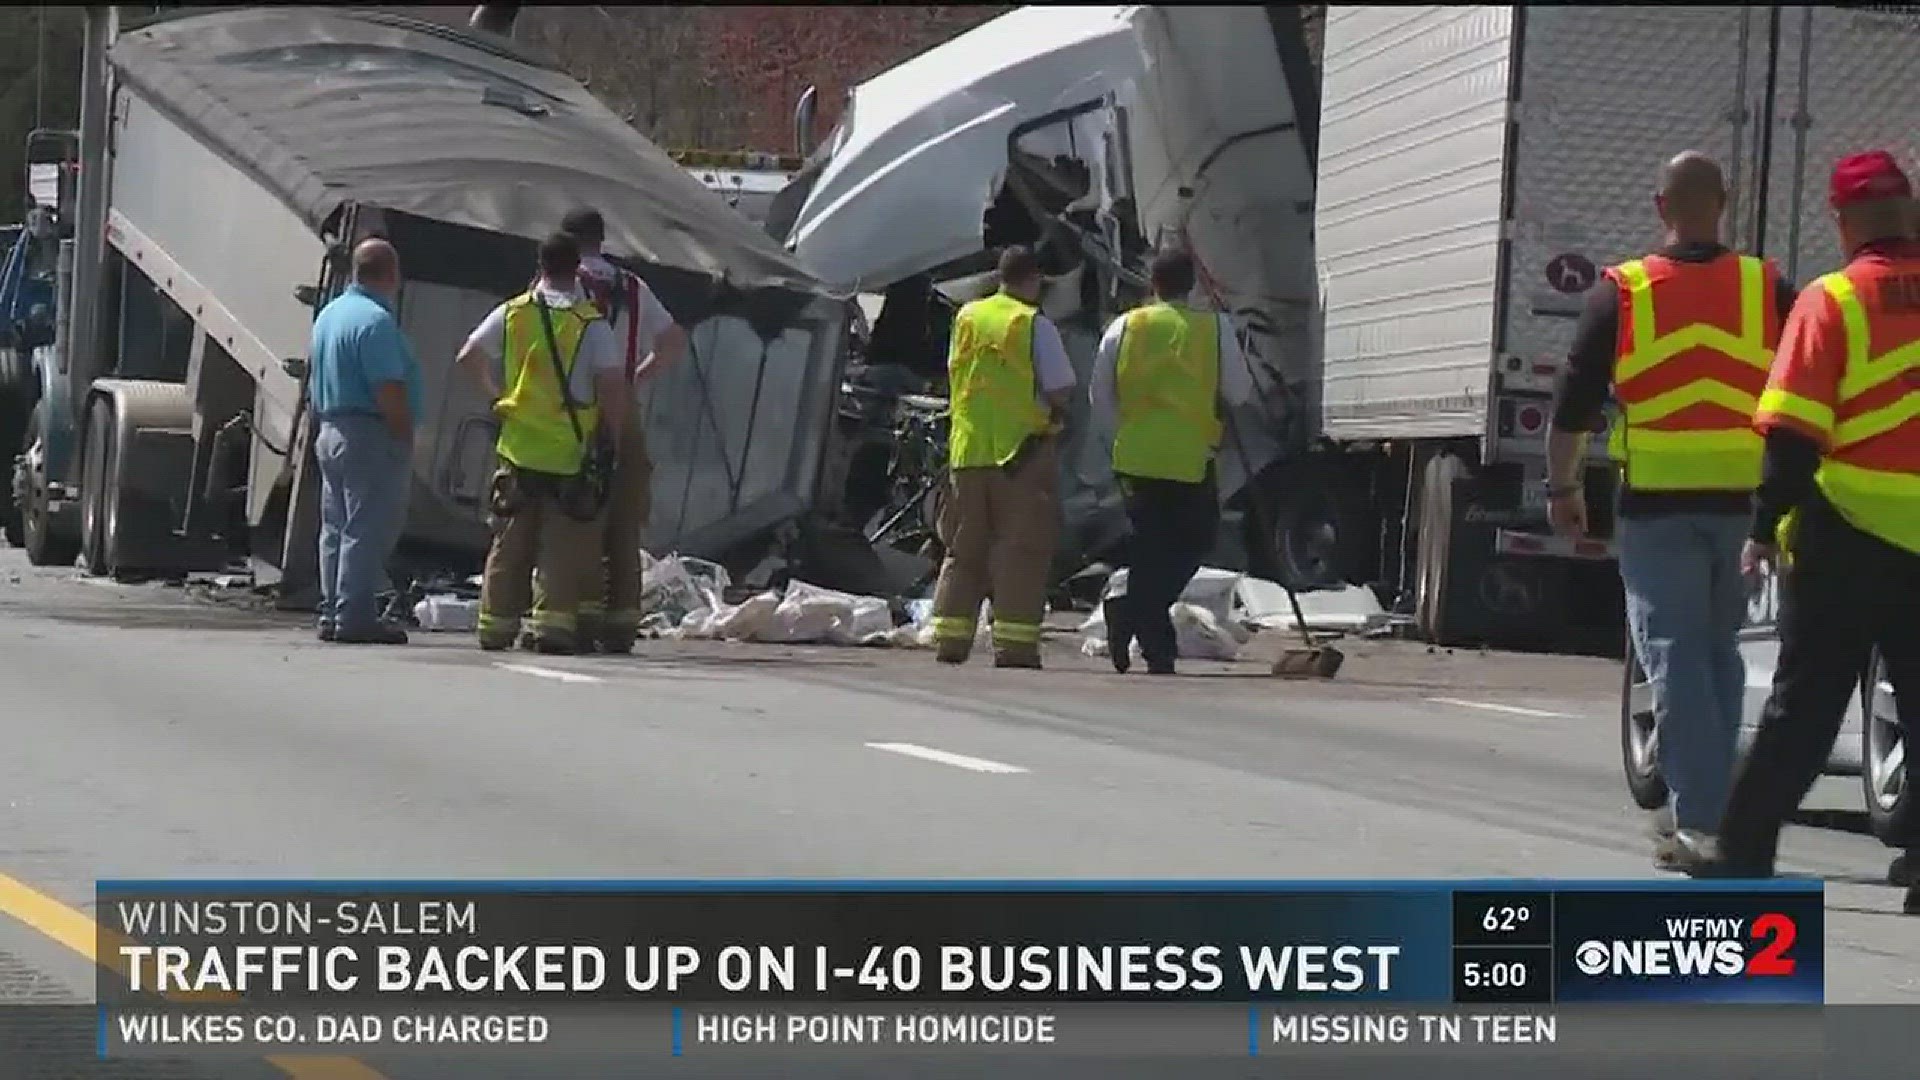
(1639, 741)
(1893, 809)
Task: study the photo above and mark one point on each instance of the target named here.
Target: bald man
(365, 393)
(1681, 340)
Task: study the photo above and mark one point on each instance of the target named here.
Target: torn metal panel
(918, 156)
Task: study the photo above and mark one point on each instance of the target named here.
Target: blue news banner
(638, 969)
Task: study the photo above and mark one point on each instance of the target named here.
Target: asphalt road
(148, 734)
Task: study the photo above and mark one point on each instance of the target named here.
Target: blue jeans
(364, 479)
(1686, 602)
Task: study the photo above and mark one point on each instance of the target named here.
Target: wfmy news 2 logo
(1700, 948)
(1698, 945)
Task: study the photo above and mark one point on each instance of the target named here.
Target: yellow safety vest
(1166, 380)
(993, 393)
(1696, 342)
(535, 431)
(1870, 421)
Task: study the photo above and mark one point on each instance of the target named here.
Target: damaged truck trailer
(226, 164)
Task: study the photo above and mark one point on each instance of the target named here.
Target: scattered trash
(803, 614)
(678, 585)
(1354, 609)
(447, 613)
(1204, 622)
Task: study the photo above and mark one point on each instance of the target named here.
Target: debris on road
(803, 614)
(1221, 610)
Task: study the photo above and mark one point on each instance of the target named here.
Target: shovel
(1314, 660)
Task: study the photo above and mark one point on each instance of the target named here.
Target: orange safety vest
(1848, 377)
(1695, 343)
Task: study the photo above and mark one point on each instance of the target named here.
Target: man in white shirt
(1158, 382)
(542, 510)
(649, 340)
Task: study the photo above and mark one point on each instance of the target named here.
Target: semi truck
(1478, 168)
(1097, 134)
(226, 164)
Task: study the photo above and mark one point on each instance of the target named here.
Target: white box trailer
(1478, 167)
(243, 154)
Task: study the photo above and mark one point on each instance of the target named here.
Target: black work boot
(325, 631)
(377, 634)
(952, 651)
(1119, 633)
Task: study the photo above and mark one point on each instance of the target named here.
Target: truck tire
(129, 478)
(1302, 528)
(98, 470)
(1639, 749)
(1886, 776)
(46, 542)
(18, 393)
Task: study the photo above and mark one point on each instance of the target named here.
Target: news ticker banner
(697, 968)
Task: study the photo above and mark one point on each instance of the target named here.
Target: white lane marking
(1492, 707)
(550, 673)
(958, 761)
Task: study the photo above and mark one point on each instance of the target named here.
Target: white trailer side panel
(1849, 80)
(1414, 113)
(1607, 96)
(241, 249)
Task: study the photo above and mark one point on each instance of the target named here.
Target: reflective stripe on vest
(535, 432)
(1166, 379)
(1687, 395)
(994, 406)
(1871, 470)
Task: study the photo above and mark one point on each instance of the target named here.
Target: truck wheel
(1893, 807)
(1639, 743)
(97, 471)
(46, 542)
(1303, 531)
(17, 395)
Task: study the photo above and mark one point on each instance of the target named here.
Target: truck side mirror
(307, 294)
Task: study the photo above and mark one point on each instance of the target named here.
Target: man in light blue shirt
(365, 392)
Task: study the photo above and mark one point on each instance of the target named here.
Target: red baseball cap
(1868, 177)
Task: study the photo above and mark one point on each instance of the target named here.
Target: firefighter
(1681, 339)
(1158, 373)
(650, 341)
(1841, 417)
(545, 498)
(1009, 379)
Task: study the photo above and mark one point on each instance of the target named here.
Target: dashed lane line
(958, 761)
(555, 674)
(1515, 710)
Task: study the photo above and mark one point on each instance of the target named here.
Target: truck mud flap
(1517, 599)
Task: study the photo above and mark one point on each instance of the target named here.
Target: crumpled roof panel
(328, 106)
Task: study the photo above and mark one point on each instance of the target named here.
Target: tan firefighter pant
(610, 607)
(999, 527)
(536, 535)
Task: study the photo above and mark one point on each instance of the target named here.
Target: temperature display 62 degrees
(1502, 918)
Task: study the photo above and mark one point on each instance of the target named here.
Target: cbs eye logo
(1592, 958)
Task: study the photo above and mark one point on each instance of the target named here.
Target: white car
(1872, 744)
